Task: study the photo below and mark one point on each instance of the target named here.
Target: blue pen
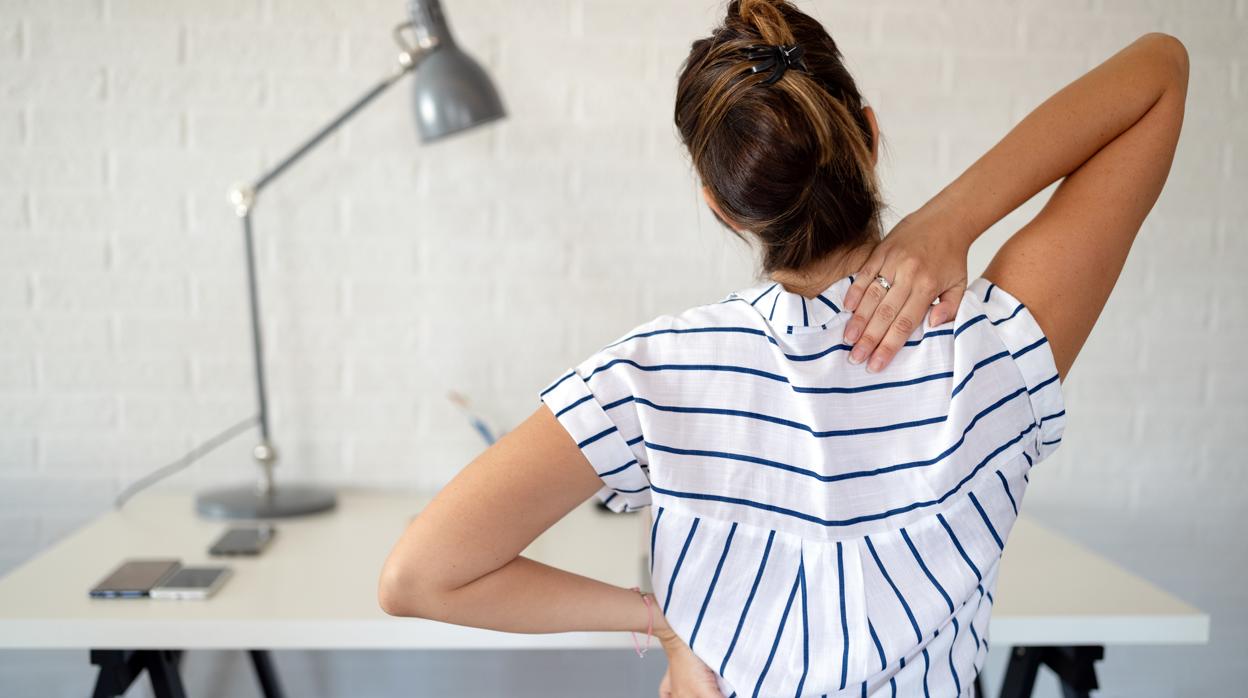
(477, 423)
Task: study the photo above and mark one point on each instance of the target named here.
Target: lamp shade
(451, 92)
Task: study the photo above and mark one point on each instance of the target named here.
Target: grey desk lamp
(451, 93)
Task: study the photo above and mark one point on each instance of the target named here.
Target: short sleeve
(1030, 350)
(589, 420)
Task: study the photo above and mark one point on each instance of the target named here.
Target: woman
(820, 527)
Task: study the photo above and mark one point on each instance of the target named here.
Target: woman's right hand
(924, 258)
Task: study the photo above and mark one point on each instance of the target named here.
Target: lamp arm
(244, 199)
(410, 57)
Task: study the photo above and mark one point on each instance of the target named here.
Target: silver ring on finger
(883, 282)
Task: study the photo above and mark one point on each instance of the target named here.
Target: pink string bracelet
(649, 625)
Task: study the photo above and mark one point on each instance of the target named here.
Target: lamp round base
(247, 502)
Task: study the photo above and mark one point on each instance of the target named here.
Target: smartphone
(191, 583)
(247, 540)
(134, 578)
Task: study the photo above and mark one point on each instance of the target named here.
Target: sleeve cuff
(1033, 356)
(626, 484)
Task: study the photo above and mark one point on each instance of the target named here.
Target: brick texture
(393, 272)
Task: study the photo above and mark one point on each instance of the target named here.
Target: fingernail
(851, 335)
(876, 364)
(856, 356)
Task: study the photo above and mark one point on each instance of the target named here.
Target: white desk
(315, 587)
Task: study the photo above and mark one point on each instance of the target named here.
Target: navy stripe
(872, 386)
(953, 670)
(977, 366)
(857, 519)
(595, 437)
(1008, 317)
(838, 476)
(927, 664)
(606, 501)
(760, 296)
(909, 614)
(616, 470)
(749, 599)
(634, 442)
(679, 561)
(799, 357)
(967, 324)
(556, 383)
(1043, 383)
(974, 634)
(1055, 415)
(801, 575)
(784, 616)
(989, 293)
(805, 318)
(561, 412)
(878, 647)
(789, 423)
(1029, 347)
(711, 589)
(654, 530)
(690, 367)
(1029, 464)
(883, 664)
(840, 585)
(923, 566)
(772, 314)
(617, 403)
(958, 544)
(829, 303)
(1009, 494)
(1050, 443)
(984, 515)
(692, 330)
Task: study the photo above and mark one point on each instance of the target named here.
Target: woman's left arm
(459, 560)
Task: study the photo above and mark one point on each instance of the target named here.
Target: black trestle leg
(265, 674)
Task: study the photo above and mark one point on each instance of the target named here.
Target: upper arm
(490, 511)
(1065, 262)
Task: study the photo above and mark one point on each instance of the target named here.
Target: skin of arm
(1129, 108)
(459, 560)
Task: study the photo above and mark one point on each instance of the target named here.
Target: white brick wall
(393, 272)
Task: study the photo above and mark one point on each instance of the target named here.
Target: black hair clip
(775, 57)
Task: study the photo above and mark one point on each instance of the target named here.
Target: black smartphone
(134, 578)
(243, 540)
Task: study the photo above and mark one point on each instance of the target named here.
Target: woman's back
(805, 508)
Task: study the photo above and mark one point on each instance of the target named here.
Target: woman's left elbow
(396, 591)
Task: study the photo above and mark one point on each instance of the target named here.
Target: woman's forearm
(526, 596)
(1059, 135)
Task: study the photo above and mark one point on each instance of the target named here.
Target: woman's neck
(812, 279)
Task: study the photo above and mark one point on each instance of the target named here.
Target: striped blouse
(819, 530)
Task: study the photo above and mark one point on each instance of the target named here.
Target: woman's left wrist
(662, 631)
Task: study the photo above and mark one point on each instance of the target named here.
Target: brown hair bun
(791, 162)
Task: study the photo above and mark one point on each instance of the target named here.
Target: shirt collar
(785, 308)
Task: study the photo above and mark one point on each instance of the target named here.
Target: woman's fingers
(947, 308)
(862, 279)
(878, 309)
(910, 317)
(864, 310)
